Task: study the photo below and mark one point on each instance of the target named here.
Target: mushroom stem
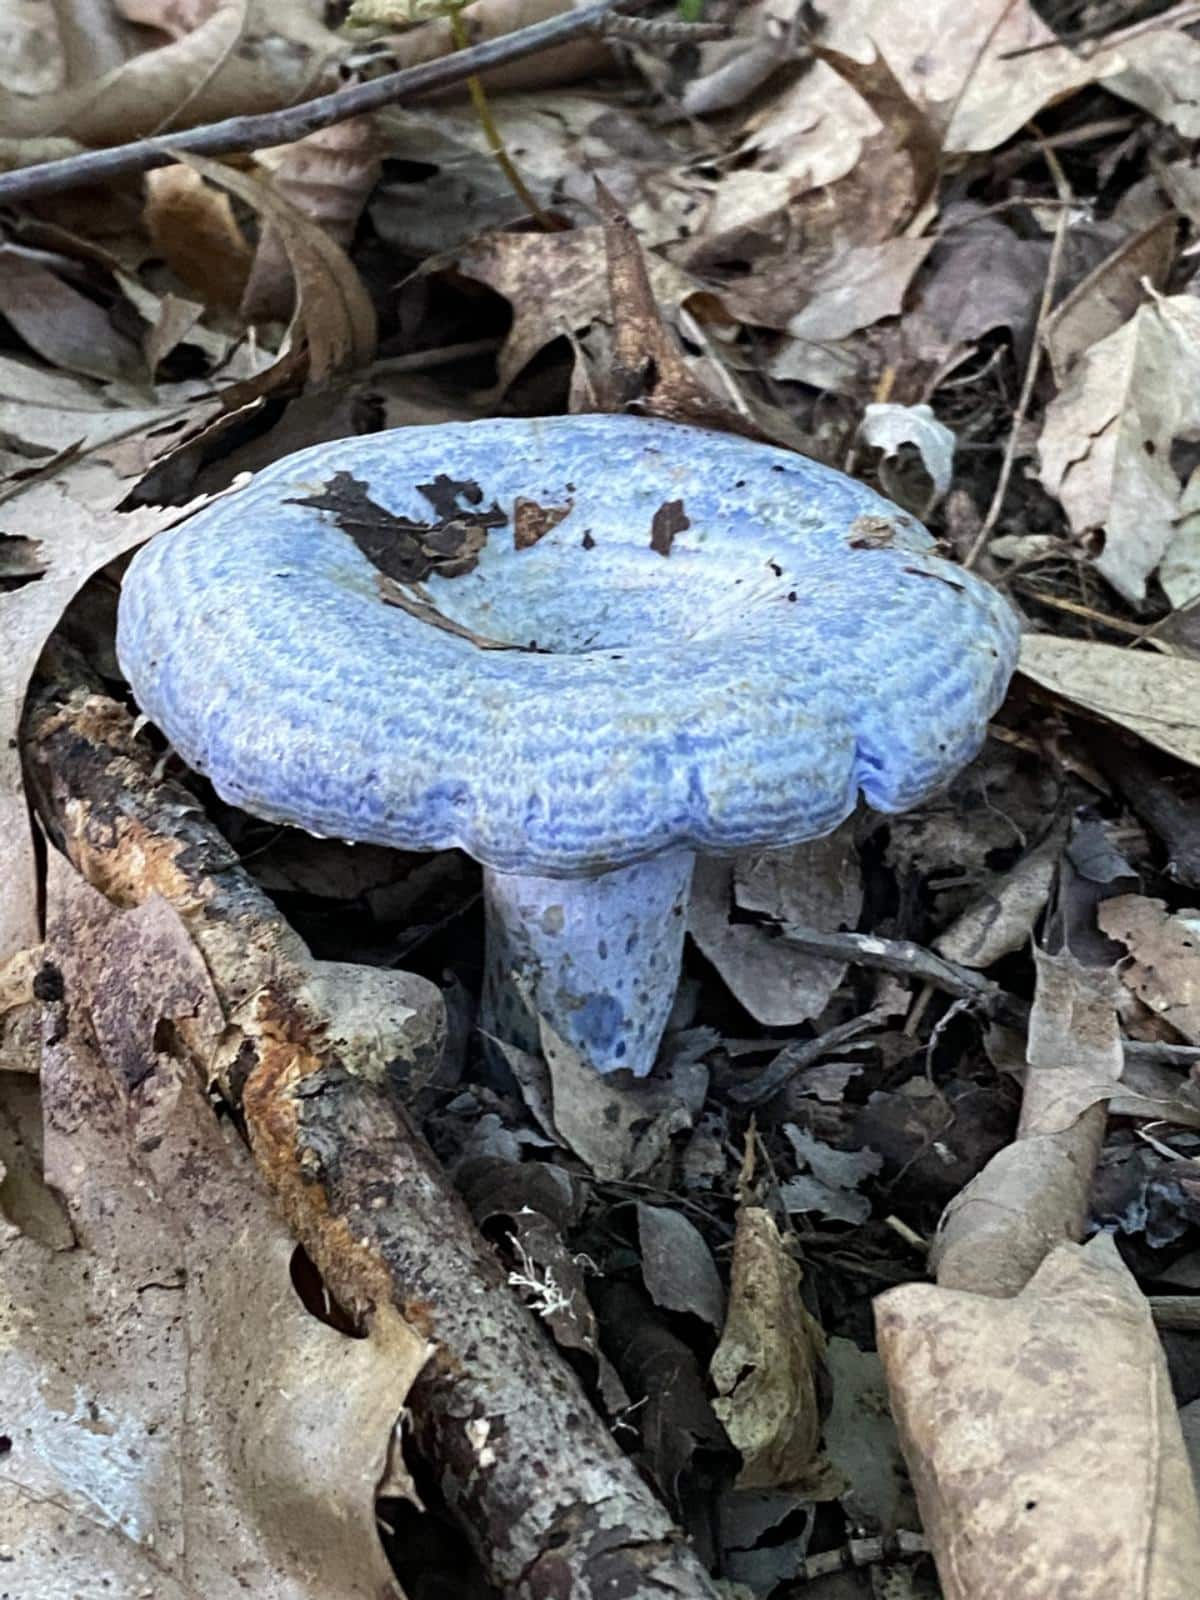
(596, 958)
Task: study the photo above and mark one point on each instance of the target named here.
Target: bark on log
(549, 1502)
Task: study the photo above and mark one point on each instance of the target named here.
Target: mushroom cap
(714, 644)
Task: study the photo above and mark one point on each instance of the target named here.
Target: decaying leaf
(1106, 443)
(1154, 696)
(180, 1420)
(333, 313)
(888, 427)
(677, 1265)
(74, 540)
(816, 884)
(242, 56)
(764, 1368)
(1164, 965)
(1033, 1194)
(829, 1185)
(1071, 1378)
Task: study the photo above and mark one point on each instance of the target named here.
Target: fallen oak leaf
(187, 1425)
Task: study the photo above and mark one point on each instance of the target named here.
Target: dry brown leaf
(1109, 295)
(557, 283)
(16, 978)
(816, 884)
(64, 327)
(193, 229)
(1154, 696)
(32, 60)
(964, 58)
(857, 287)
(182, 1425)
(764, 1369)
(1106, 440)
(489, 19)
(1033, 1194)
(247, 56)
(619, 1128)
(1164, 947)
(326, 178)
(1042, 1436)
(333, 311)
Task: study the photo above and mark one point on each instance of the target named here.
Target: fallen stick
(540, 1489)
(291, 123)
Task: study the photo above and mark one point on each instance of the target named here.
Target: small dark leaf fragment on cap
(401, 548)
(668, 520)
(532, 521)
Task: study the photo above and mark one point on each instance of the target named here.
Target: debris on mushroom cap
(562, 645)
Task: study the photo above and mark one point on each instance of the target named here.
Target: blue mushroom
(582, 649)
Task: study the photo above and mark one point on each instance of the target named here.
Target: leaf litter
(846, 229)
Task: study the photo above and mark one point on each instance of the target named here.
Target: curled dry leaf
(182, 1424)
(1156, 697)
(333, 315)
(1033, 1194)
(888, 427)
(64, 327)
(194, 230)
(1081, 1467)
(1110, 294)
(764, 1369)
(1001, 918)
(326, 178)
(1106, 442)
(485, 19)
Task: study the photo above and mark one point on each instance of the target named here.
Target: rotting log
(544, 1495)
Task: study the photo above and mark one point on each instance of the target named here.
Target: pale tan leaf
(1042, 1436)
(194, 1426)
(1155, 696)
(1158, 71)
(817, 884)
(1033, 1194)
(764, 1369)
(247, 56)
(326, 178)
(63, 326)
(1164, 946)
(1106, 441)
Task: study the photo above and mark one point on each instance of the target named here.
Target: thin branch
(292, 123)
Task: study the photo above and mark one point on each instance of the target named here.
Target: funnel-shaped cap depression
(601, 637)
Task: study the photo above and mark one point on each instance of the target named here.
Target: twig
(1032, 366)
(528, 1468)
(1100, 38)
(297, 122)
(901, 957)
